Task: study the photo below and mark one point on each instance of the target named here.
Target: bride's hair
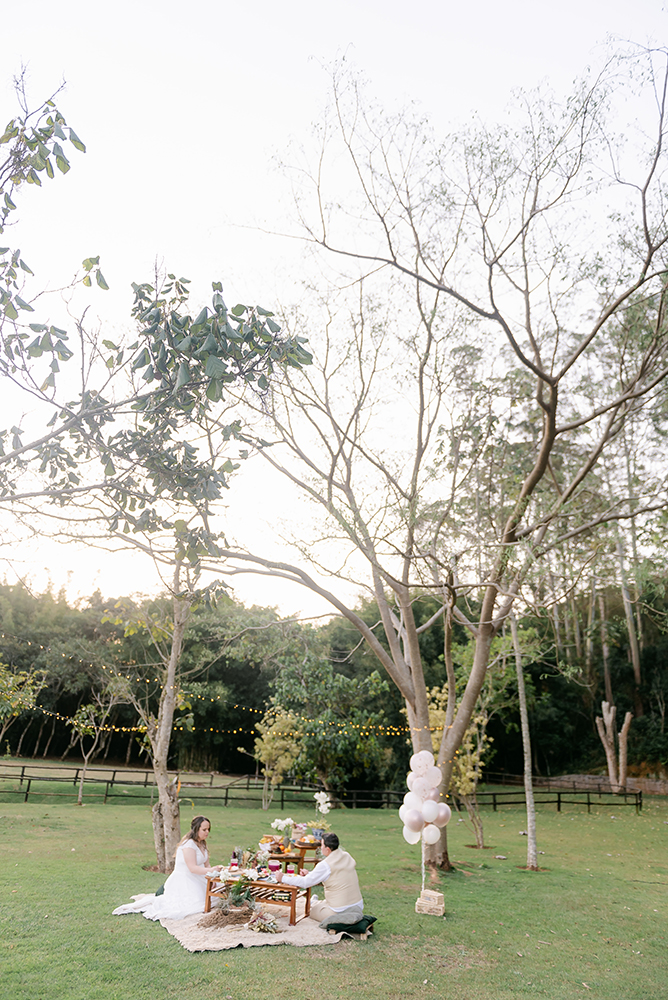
(193, 832)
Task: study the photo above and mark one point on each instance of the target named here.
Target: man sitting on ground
(343, 903)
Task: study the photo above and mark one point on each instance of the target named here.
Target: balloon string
(423, 865)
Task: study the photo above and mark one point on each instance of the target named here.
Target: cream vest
(342, 887)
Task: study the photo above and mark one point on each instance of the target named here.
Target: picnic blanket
(194, 938)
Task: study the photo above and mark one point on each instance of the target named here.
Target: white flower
(322, 803)
(283, 824)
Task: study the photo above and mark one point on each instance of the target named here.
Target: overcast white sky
(184, 107)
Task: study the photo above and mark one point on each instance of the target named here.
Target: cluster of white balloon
(422, 813)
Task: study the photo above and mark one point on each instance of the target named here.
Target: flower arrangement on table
(283, 824)
(322, 807)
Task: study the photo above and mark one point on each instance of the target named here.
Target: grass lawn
(592, 924)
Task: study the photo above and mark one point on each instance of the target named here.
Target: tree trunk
(167, 832)
(577, 635)
(623, 739)
(442, 855)
(631, 628)
(532, 847)
(605, 650)
(39, 737)
(158, 835)
(267, 793)
(606, 730)
(473, 810)
(48, 742)
(589, 643)
(555, 617)
(23, 734)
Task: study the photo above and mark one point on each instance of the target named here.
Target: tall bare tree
(507, 256)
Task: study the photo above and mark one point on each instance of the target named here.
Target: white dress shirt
(319, 874)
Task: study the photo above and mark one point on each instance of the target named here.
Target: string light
(343, 727)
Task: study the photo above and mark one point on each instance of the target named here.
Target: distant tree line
(246, 666)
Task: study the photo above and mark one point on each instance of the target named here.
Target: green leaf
(8, 202)
(87, 282)
(23, 305)
(215, 367)
(202, 318)
(62, 164)
(90, 262)
(10, 311)
(24, 266)
(184, 374)
(49, 169)
(99, 277)
(143, 360)
(109, 469)
(110, 345)
(49, 382)
(214, 391)
(217, 286)
(76, 141)
(238, 310)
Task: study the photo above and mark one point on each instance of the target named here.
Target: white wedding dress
(184, 891)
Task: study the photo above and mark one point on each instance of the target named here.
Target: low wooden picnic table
(271, 893)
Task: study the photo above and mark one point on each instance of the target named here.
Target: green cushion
(359, 928)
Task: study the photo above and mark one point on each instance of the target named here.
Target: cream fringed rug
(193, 938)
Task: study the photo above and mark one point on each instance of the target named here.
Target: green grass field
(593, 923)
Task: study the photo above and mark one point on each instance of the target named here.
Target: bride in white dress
(185, 889)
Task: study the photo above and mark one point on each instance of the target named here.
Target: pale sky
(184, 109)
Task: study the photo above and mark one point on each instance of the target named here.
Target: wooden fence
(127, 784)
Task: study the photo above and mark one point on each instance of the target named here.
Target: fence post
(27, 790)
(106, 791)
(494, 800)
(639, 801)
(76, 775)
(282, 798)
(588, 802)
(113, 778)
(23, 771)
(558, 802)
(227, 792)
